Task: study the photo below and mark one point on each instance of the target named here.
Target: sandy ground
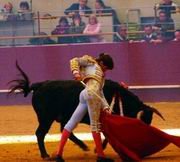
(21, 120)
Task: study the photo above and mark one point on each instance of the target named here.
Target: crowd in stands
(8, 12)
(162, 30)
(89, 32)
(74, 30)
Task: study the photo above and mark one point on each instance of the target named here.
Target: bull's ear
(124, 85)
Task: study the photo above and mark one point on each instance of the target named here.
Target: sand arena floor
(21, 120)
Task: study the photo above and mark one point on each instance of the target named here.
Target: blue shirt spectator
(80, 8)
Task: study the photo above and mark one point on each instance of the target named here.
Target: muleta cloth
(132, 139)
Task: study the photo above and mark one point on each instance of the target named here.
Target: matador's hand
(107, 110)
(77, 76)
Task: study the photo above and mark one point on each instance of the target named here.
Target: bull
(56, 100)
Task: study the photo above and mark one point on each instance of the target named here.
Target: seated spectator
(149, 34)
(24, 7)
(77, 27)
(168, 6)
(42, 40)
(165, 25)
(122, 34)
(62, 28)
(8, 8)
(92, 28)
(177, 35)
(8, 12)
(100, 8)
(80, 8)
(24, 11)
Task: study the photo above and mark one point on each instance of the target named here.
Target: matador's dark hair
(106, 59)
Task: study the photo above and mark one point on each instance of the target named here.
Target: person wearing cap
(91, 71)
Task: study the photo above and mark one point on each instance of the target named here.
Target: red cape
(132, 139)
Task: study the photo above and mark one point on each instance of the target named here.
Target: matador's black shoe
(59, 159)
(104, 159)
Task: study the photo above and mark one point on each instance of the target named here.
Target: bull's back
(56, 97)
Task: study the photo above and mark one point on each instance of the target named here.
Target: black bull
(57, 100)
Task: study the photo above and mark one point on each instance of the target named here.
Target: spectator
(8, 8)
(149, 34)
(168, 6)
(100, 8)
(42, 40)
(24, 11)
(24, 7)
(94, 27)
(62, 28)
(80, 8)
(165, 25)
(8, 13)
(177, 35)
(122, 34)
(77, 27)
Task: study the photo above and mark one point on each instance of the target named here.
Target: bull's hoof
(45, 156)
(47, 159)
(52, 158)
(85, 148)
(104, 159)
(59, 159)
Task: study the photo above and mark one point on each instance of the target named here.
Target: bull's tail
(22, 85)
